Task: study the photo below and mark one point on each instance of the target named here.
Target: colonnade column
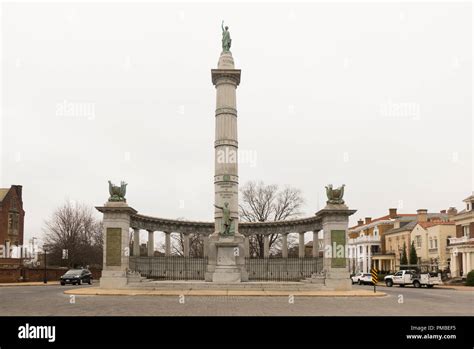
(186, 245)
(468, 262)
(301, 245)
(247, 246)
(364, 259)
(315, 244)
(167, 243)
(205, 247)
(151, 243)
(369, 259)
(266, 246)
(284, 246)
(136, 242)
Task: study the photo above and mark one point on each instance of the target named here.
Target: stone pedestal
(335, 221)
(116, 244)
(226, 261)
(226, 266)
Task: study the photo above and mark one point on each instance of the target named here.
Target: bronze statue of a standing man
(226, 40)
(226, 218)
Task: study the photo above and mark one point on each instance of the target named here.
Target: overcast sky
(376, 96)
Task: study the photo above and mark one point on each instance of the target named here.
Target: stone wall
(36, 274)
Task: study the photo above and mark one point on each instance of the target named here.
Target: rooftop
(403, 217)
(3, 193)
(469, 198)
(433, 223)
(409, 226)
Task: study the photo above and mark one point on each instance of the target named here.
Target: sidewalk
(447, 287)
(457, 287)
(33, 283)
(95, 291)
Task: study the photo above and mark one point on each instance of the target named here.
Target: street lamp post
(45, 279)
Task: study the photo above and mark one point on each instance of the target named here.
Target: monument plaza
(226, 258)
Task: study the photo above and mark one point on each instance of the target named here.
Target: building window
(465, 230)
(435, 243)
(431, 243)
(418, 241)
(13, 223)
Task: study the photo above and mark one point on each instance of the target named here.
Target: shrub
(470, 278)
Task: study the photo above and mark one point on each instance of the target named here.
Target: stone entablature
(138, 221)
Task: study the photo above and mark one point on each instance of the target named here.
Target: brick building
(12, 215)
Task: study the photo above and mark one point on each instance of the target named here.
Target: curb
(39, 283)
(233, 293)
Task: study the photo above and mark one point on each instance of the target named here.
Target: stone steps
(319, 280)
(201, 285)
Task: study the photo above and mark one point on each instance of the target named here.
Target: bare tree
(196, 245)
(73, 227)
(262, 203)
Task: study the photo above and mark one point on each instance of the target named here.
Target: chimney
(442, 211)
(452, 212)
(368, 220)
(422, 215)
(360, 222)
(18, 189)
(392, 213)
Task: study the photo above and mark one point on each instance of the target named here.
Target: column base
(338, 280)
(113, 279)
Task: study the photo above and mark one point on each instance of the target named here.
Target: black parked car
(76, 277)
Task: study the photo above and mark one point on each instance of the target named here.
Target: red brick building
(12, 215)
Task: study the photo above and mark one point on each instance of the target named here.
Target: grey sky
(376, 96)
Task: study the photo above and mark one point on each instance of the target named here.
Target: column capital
(220, 76)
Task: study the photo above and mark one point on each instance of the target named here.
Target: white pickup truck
(411, 277)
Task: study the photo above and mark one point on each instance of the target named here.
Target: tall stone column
(136, 242)
(301, 245)
(116, 235)
(315, 244)
(266, 246)
(226, 261)
(226, 179)
(167, 243)
(151, 243)
(284, 246)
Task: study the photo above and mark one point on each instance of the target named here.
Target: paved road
(50, 300)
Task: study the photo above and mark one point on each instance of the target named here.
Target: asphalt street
(50, 300)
